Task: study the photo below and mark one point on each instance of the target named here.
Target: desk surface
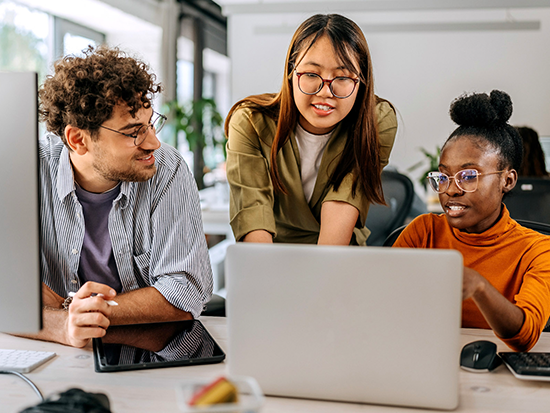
(154, 390)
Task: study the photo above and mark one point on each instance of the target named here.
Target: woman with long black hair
(304, 164)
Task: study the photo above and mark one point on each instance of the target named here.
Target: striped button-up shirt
(155, 229)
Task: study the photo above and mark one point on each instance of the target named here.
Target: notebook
(356, 324)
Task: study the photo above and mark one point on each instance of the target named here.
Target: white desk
(154, 390)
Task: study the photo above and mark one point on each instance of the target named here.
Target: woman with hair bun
(304, 164)
(506, 278)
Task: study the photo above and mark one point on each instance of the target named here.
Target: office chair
(215, 307)
(530, 200)
(389, 241)
(537, 226)
(381, 219)
(543, 229)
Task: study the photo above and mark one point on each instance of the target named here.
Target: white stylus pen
(110, 302)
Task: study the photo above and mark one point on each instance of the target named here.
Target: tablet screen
(140, 346)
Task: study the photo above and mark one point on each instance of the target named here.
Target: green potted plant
(201, 124)
(431, 163)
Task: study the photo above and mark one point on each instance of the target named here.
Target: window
(24, 39)
(215, 85)
(71, 38)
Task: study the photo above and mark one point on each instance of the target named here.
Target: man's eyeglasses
(139, 135)
(466, 180)
(311, 83)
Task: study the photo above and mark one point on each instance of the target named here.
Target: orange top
(514, 259)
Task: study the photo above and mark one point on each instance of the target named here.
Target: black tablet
(146, 346)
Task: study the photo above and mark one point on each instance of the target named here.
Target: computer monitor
(545, 144)
(20, 283)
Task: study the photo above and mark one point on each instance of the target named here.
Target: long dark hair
(362, 146)
(533, 163)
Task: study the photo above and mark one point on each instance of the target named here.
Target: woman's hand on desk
(472, 282)
(504, 318)
(89, 313)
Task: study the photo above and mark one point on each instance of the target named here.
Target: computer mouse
(480, 356)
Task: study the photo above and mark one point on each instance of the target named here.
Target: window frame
(63, 26)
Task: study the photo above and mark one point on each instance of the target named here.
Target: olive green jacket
(289, 217)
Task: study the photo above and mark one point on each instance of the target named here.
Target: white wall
(421, 72)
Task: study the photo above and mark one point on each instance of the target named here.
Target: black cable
(29, 382)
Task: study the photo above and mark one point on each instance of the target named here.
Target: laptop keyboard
(532, 364)
(23, 361)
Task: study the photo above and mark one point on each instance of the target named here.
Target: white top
(311, 149)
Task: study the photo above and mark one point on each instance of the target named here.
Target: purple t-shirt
(97, 262)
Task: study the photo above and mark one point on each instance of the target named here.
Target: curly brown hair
(84, 90)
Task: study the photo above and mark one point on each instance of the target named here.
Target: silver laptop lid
(357, 324)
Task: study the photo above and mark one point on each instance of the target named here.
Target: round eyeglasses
(141, 133)
(311, 83)
(466, 180)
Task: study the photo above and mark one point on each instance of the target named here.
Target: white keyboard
(23, 361)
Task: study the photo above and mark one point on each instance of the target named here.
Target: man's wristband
(67, 303)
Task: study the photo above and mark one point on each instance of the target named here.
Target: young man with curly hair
(120, 211)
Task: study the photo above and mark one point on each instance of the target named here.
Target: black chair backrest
(399, 195)
(393, 236)
(530, 200)
(537, 226)
(545, 230)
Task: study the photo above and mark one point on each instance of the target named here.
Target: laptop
(355, 324)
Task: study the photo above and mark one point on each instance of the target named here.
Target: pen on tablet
(110, 302)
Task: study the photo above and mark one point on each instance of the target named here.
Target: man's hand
(89, 313)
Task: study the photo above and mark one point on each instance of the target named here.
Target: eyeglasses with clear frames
(466, 180)
(311, 83)
(140, 135)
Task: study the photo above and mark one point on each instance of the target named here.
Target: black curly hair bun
(481, 110)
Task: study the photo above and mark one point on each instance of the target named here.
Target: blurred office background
(425, 53)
